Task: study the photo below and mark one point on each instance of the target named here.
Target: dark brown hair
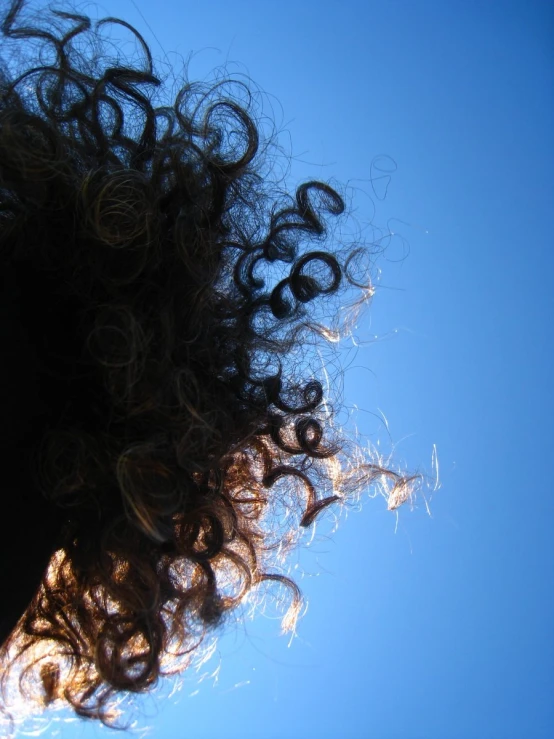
(190, 450)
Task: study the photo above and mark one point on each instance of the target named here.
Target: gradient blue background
(443, 629)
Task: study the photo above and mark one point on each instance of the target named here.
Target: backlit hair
(195, 445)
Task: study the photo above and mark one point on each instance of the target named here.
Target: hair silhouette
(173, 429)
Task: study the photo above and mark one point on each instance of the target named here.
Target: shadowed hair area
(170, 290)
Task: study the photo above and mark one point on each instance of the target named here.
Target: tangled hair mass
(188, 445)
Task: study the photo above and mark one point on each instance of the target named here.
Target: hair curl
(151, 233)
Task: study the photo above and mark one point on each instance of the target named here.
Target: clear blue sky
(443, 629)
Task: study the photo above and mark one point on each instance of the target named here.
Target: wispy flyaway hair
(166, 282)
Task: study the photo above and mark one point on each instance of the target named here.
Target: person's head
(157, 417)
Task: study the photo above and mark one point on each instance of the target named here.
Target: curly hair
(185, 449)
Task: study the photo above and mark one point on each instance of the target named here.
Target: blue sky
(440, 626)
